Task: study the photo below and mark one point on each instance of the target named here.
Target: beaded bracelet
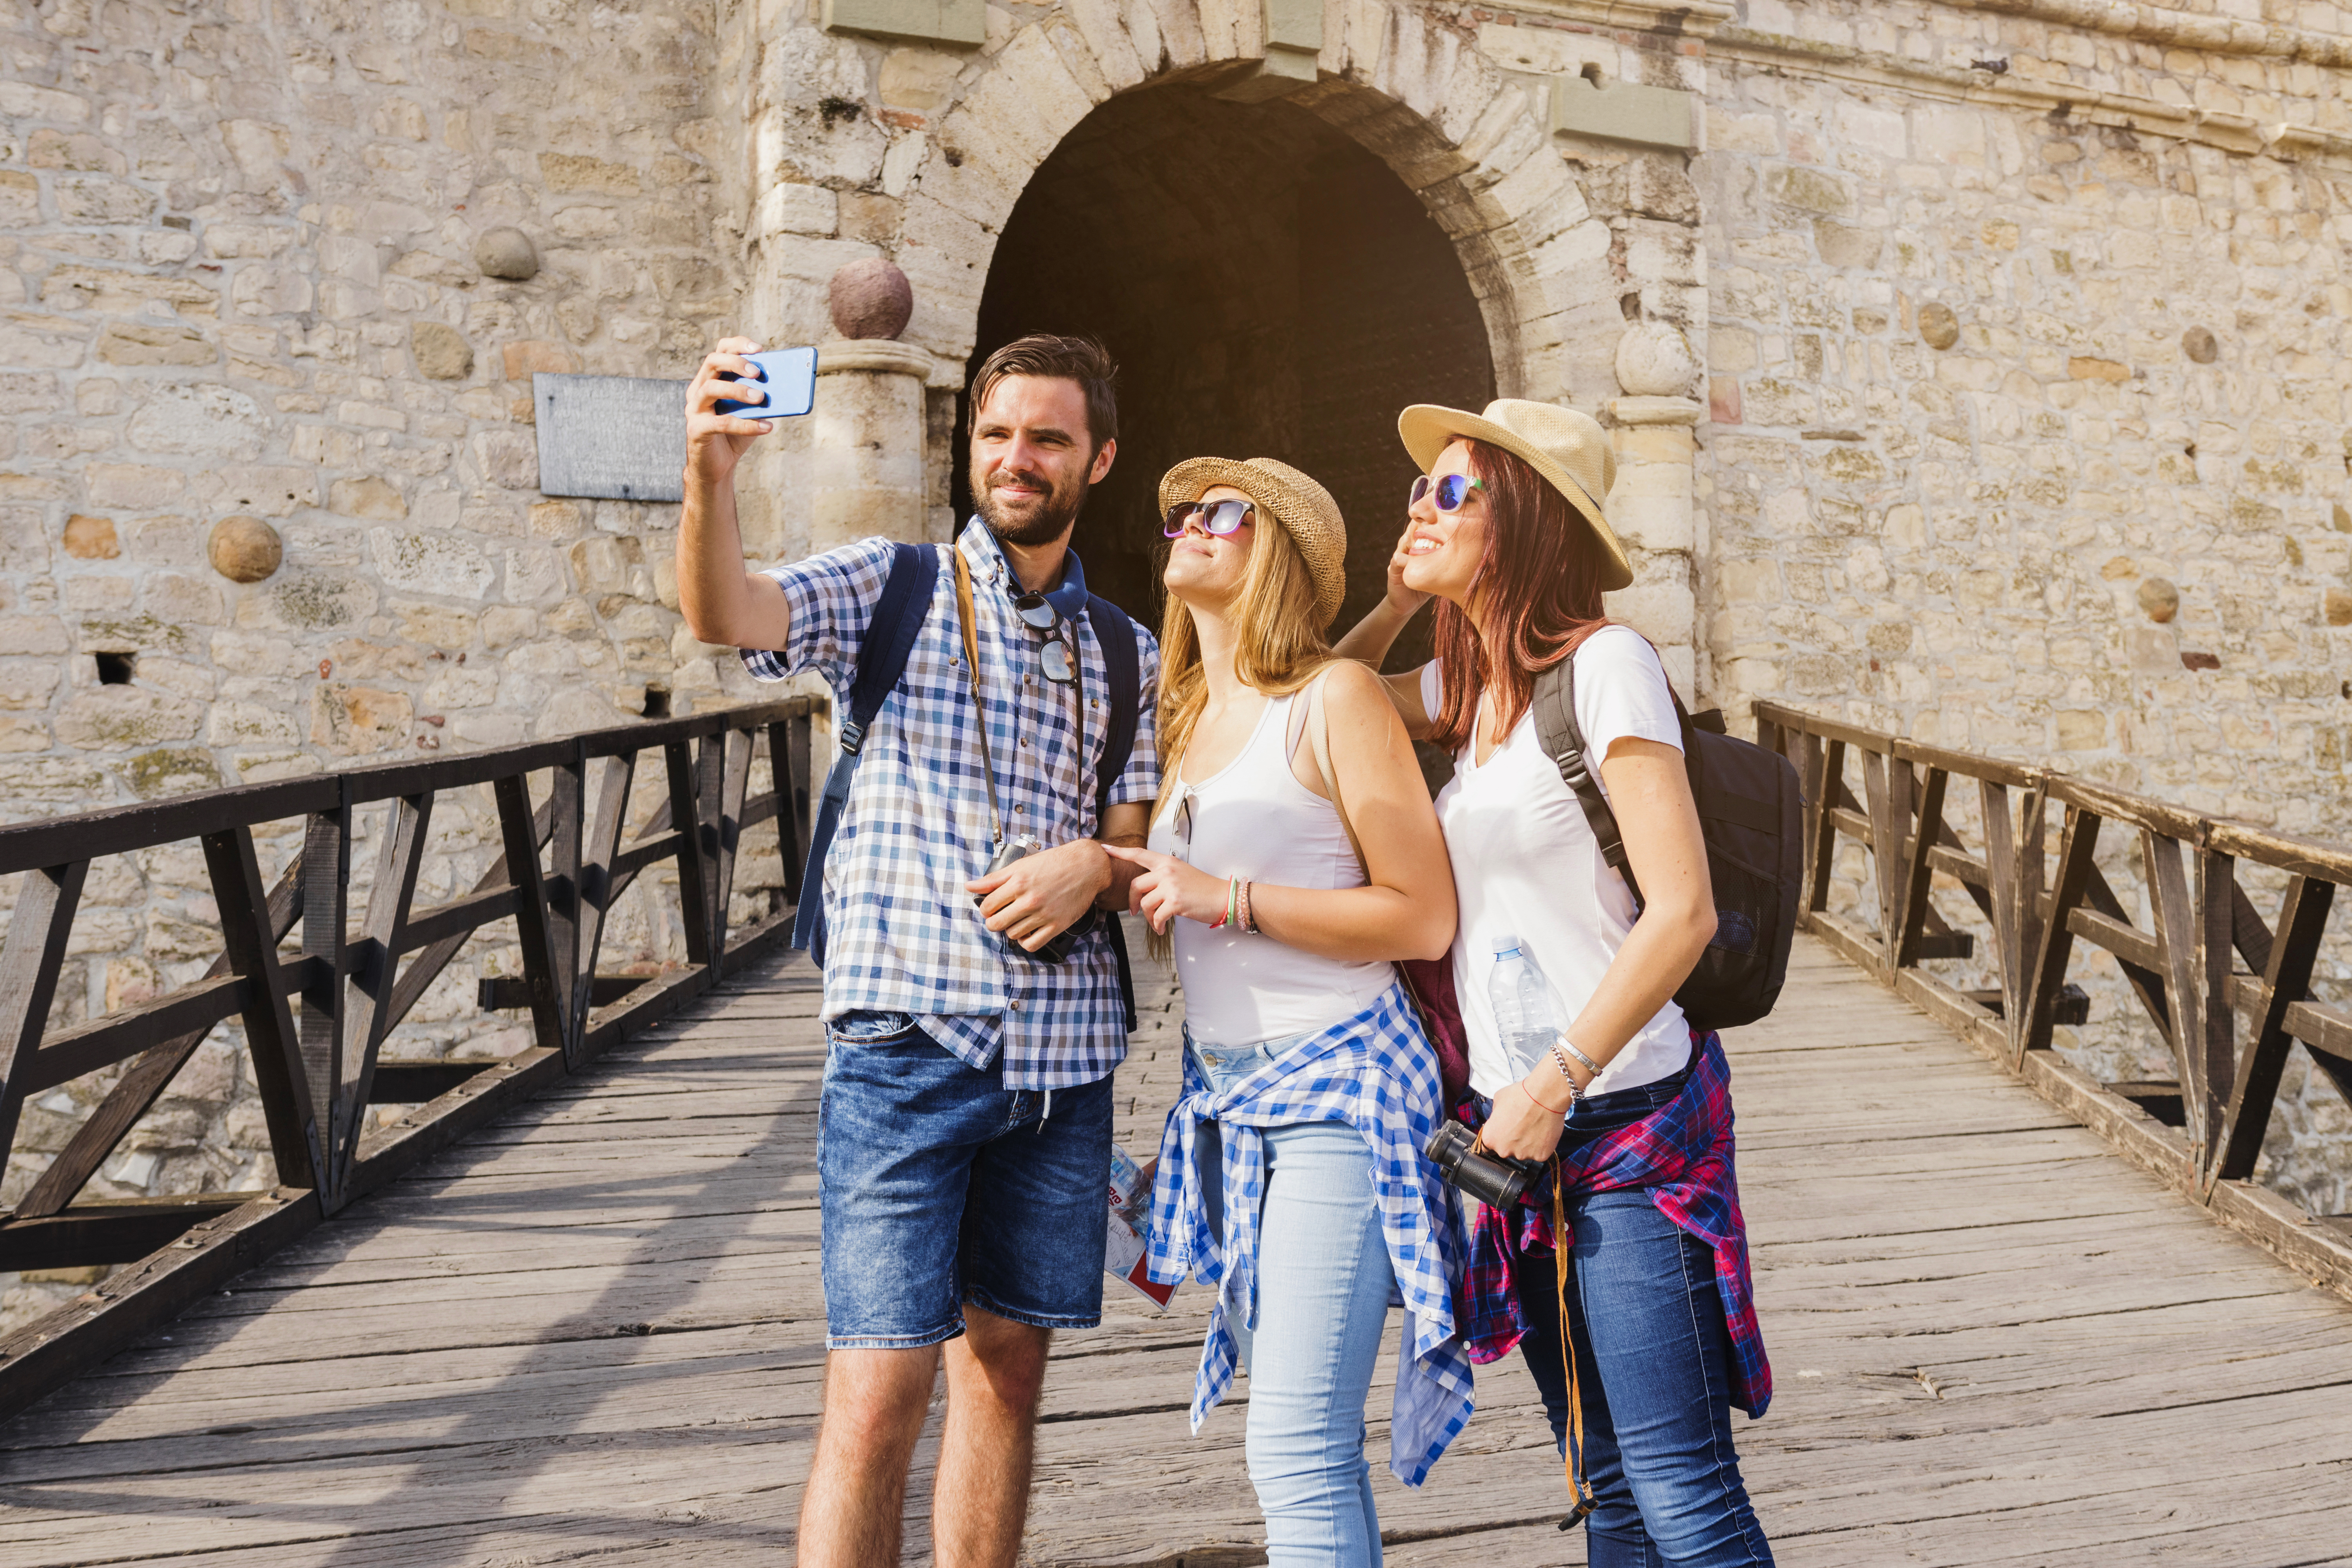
(1231, 890)
(1249, 916)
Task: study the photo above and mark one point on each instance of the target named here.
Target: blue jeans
(1323, 1283)
(939, 1186)
(1652, 1363)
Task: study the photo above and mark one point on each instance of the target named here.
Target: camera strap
(964, 618)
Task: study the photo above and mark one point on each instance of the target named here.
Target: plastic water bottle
(1522, 1002)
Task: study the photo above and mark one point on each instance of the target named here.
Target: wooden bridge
(567, 1307)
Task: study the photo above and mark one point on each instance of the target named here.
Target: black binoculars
(1496, 1180)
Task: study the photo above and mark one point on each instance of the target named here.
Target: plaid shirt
(902, 934)
(1682, 1152)
(1376, 1071)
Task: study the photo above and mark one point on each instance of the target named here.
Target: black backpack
(1748, 812)
(889, 642)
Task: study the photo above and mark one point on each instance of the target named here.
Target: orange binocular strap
(1580, 1493)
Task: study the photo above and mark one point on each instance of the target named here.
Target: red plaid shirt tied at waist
(1682, 1152)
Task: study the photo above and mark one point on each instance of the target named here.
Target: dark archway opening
(1269, 287)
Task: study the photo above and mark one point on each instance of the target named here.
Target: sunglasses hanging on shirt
(1037, 613)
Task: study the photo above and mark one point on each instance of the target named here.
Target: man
(964, 1132)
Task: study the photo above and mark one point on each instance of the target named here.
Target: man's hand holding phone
(723, 604)
(715, 442)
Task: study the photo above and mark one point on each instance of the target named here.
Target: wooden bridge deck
(594, 1332)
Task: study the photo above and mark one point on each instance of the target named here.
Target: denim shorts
(941, 1186)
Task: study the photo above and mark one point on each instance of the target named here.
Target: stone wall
(2028, 399)
(238, 277)
(2020, 320)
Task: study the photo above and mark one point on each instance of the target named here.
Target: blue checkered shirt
(902, 934)
(1377, 1072)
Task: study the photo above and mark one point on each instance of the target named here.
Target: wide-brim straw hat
(1567, 448)
(1304, 509)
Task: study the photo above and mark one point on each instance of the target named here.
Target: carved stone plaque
(617, 438)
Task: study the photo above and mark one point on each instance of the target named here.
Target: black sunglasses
(1037, 613)
(1220, 518)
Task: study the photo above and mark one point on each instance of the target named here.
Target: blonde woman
(1290, 1173)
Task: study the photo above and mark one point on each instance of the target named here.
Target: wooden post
(37, 929)
(367, 1008)
(1824, 837)
(597, 894)
(520, 828)
(2177, 936)
(1918, 879)
(693, 865)
(2079, 841)
(277, 1051)
(2294, 953)
(326, 861)
(568, 794)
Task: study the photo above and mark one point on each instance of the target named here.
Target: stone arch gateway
(1464, 141)
(1269, 287)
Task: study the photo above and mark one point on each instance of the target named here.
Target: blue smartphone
(789, 378)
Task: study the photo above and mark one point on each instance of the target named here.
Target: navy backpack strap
(1123, 674)
(889, 642)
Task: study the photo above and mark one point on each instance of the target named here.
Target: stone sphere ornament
(1654, 359)
(507, 253)
(2201, 345)
(1938, 326)
(2160, 599)
(244, 549)
(870, 298)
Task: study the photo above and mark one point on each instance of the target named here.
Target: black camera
(1496, 1180)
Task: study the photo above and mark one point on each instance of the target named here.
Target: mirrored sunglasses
(1450, 490)
(1037, 613)
(1220, 517)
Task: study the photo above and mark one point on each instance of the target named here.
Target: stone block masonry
(239, 280)
(2027, 379)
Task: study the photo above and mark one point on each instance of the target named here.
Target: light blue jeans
(1323, 1284)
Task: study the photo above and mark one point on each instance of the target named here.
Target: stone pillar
(866, 441)
(1652, 507)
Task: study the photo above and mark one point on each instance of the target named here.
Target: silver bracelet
(1561, 1043)
(1575, 1090)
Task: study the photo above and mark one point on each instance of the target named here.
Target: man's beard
(1043, 526)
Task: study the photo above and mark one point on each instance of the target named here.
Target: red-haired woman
(1507, 530)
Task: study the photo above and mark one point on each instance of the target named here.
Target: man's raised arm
(722, 603)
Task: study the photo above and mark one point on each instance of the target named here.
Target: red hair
(1537, 591)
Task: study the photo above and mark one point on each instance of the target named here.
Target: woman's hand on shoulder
(1165, 888)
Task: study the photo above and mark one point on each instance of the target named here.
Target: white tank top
(1253, 820)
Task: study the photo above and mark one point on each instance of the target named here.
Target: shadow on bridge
(593, 1333)
(492, 1359)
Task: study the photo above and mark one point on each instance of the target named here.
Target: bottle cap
(1506, 945)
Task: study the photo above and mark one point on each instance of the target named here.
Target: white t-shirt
(1526, 863)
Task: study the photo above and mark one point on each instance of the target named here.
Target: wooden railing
(2228, 993)
(316, 1017)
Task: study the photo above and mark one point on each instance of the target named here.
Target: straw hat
(1567, 448)
(1304, 508)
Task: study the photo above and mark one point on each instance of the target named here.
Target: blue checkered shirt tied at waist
(1376, 1072)
(902, 934)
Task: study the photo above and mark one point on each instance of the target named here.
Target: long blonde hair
(1280, 647)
